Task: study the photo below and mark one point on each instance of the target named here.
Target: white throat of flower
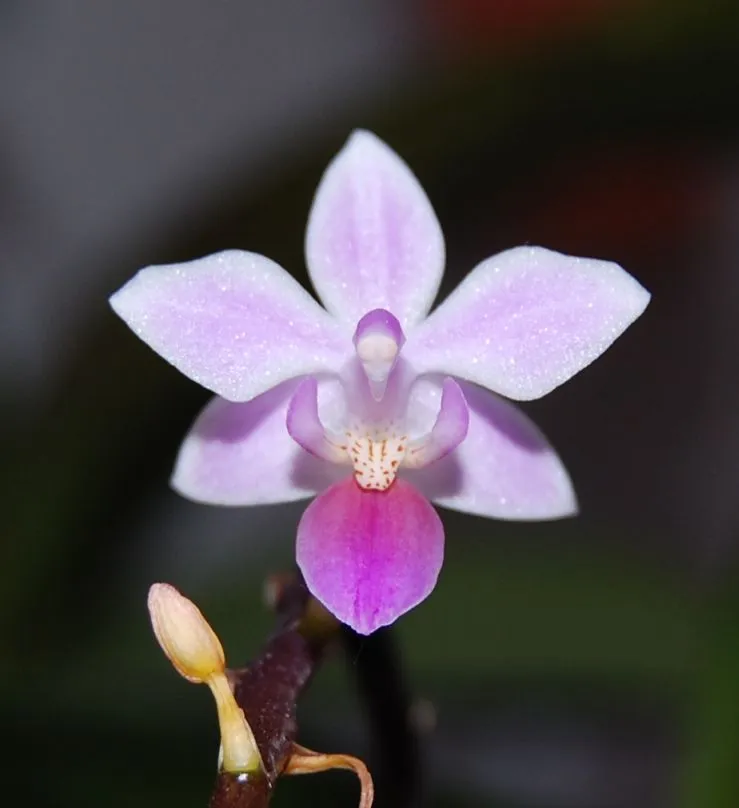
(376, 453)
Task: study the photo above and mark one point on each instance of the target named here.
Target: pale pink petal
(504, 469)
(234, 322)
(241, 454)
(448, 431)
(526, 320)
(370, 556)
(373, 239)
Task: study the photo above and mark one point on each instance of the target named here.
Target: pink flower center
(373, 432)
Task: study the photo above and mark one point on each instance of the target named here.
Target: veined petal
(370, 556)
(241, 454)
(504, 469)
(373, 240)
(525, 321)
(234, 322)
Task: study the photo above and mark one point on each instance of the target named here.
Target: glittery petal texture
(241, 454)
(504, 469)
(370, 556)
(234, 322)
(525, 321)
(373, 240)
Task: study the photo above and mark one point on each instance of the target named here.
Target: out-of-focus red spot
(640, 197)
(505, 23)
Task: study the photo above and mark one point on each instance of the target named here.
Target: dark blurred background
(590, 663)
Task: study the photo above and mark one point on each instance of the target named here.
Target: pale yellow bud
(184, 634)
(197, 654)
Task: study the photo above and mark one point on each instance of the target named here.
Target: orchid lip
(369, 556)
(378, 340)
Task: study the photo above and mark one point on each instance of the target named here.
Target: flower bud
(189, 642)
(196, 653)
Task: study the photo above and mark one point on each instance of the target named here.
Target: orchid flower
(371, 403)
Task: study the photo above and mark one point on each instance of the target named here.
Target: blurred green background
(590, 663)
